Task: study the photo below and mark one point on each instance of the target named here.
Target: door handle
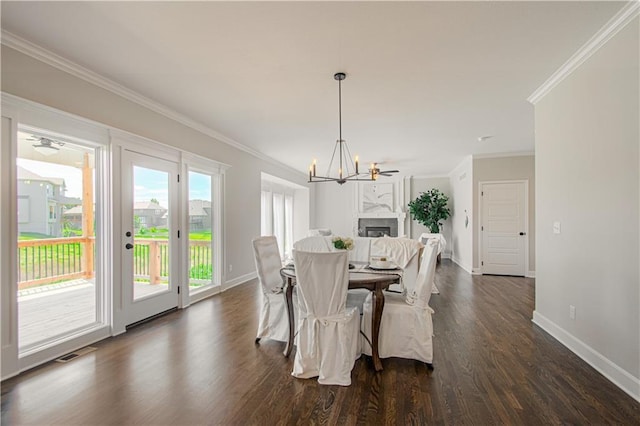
(523, 233)
(128, 246)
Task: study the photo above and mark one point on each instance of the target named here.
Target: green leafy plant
(430, 208)
(342, 243)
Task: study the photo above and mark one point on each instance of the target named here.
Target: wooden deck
(48, 311)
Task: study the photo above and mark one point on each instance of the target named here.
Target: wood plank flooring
(200, 366)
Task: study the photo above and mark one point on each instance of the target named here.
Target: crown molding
(505, 154)
(610, 29)
(41, 54)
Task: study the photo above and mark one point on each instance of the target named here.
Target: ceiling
(424, 80)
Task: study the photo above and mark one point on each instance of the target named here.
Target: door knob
(523, 233)
(128, 246)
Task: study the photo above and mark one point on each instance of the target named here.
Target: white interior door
(503, 228)
(150, 230)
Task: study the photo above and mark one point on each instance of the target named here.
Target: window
(278, 216)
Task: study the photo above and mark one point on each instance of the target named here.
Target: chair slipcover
(406, 328)
(315, 243)
(328, 333)
(356, 297)
(274, 321)
(426, 237)
(404, 252)
(361, 249)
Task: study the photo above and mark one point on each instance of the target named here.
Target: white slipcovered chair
(328, 332)
(406, 328)
(355, 298)
(441, 240)
(404, 252)
(314, 243)
(274, 321)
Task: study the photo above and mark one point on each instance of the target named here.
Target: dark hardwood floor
(201, 366)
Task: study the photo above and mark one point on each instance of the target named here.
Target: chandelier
(347, 168)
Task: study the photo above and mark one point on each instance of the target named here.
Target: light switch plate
(556, 227)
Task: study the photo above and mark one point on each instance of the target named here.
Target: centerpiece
(342, 243)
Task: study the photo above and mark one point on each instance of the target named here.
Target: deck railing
(54, 259)
(59, 259)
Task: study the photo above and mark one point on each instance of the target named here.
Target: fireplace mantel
(378, 214)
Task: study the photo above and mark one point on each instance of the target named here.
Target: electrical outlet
(572, 312)
(556, 227)
(230, 268)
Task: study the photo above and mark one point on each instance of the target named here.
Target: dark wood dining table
(374, 282)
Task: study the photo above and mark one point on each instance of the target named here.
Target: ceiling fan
(45, 146)
(378, 172)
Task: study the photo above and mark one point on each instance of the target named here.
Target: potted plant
(430, 208)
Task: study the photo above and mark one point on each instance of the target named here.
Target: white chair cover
(404, 252)
(274, 322)
(426, 237)
(315, 243)
(328, 333)
(319, 231)
(356, 297)
(361, 249)
(406, 328)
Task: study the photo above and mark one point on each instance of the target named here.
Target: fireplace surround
(377, 227)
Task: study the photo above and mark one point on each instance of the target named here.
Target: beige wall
(31, 79)
(505, 168)
(417, 185)
(461, 183)
(588, 179)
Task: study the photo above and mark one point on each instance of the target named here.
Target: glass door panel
(200, 231)
(151, 232)
(57, 290)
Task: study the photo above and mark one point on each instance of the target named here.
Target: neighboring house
(199, 215)
(149, 214)
(72, 217)
(41, 203)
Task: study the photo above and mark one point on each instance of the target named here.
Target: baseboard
(239, 280)
(625, 381)
(530, 274)
(476, 271)
(457, 262)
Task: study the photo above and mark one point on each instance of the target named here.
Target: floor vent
(76, 354)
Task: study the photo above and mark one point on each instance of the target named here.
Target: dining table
(361, 277)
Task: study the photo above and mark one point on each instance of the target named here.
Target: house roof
(147, 205)
(24, 174)
(197, 207)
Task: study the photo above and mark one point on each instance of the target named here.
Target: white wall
(417, 185)
(461, 181)
(335, 206)
(505, 168)
(587, 172)
(31, 79)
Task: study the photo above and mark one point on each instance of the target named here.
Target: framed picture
(376, 197)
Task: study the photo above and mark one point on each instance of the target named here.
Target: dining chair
(406, 328)
(314, 243)
(355, 298)
(405, 253)
(274, 321)
(327, 337)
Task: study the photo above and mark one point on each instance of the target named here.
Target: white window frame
(194, 163)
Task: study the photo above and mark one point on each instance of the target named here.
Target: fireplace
(377, 227)
(377, 231)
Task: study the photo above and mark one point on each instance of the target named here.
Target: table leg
(288, 297)
(376, 318)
